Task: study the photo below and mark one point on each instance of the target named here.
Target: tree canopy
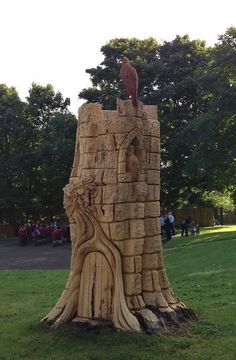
(36, 152)
(194, 87)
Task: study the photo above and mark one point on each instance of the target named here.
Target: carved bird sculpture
(130, 78)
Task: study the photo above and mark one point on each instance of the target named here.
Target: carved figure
(130, 78)
(117, 273)
(132, 163)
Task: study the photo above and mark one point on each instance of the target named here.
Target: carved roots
(92, 240)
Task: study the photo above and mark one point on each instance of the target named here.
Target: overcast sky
(55, 41)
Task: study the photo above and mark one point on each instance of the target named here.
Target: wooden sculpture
(130, 78)
(117, 273)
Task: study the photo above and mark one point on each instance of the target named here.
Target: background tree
(42, 102)
(179, 101)
(15, 143)
(52, 148)
(168, 77)
(211, 135)
(36, 153)
(54, 159)
(194, 87)
(105, 78)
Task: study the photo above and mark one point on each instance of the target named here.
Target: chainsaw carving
(112, 200)
(130, 78)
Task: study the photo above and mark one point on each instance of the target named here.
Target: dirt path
(13, 256)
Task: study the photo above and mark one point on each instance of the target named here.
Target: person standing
(184, 226)
(162, 223)
(167, 228)
(23, 235)
(172, 222)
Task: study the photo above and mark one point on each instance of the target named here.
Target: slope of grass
(202, 271)
(207, 235)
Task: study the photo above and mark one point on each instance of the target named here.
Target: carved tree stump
(112, 200)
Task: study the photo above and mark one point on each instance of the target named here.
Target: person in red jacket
(57, 236)
(23, 235)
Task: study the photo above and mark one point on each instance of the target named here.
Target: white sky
(55, 41)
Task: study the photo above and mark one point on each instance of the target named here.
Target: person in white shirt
(172, 222)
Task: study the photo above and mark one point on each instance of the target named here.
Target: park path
(13, 256)
(16, 257)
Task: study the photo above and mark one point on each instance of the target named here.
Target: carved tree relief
(117, 270)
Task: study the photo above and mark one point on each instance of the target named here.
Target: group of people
(189, 223)
(40, 233)
(168, 226)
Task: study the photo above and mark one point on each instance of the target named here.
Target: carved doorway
(96, 295)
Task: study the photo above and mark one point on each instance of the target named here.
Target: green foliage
(219, 200)
(54, 158)
(165, 77)
(52, 149)
(36, 153)
(15, 138)
(226, 53)
(211, 135)
(107, 85)
(194, 88)
(179, 103)
(43, 102)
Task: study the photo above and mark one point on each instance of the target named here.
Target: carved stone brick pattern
(112, 202)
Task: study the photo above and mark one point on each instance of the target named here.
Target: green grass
(202, 271)
(207, 235)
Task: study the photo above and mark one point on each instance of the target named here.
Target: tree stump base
(112, 201)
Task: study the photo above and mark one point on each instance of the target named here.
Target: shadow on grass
(193, 240)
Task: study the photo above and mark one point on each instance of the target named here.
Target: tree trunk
(112, 200)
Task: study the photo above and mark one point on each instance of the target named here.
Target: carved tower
(112, 201)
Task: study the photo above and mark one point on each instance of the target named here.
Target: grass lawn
(202, 271)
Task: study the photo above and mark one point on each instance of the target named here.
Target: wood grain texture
(112, 202)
